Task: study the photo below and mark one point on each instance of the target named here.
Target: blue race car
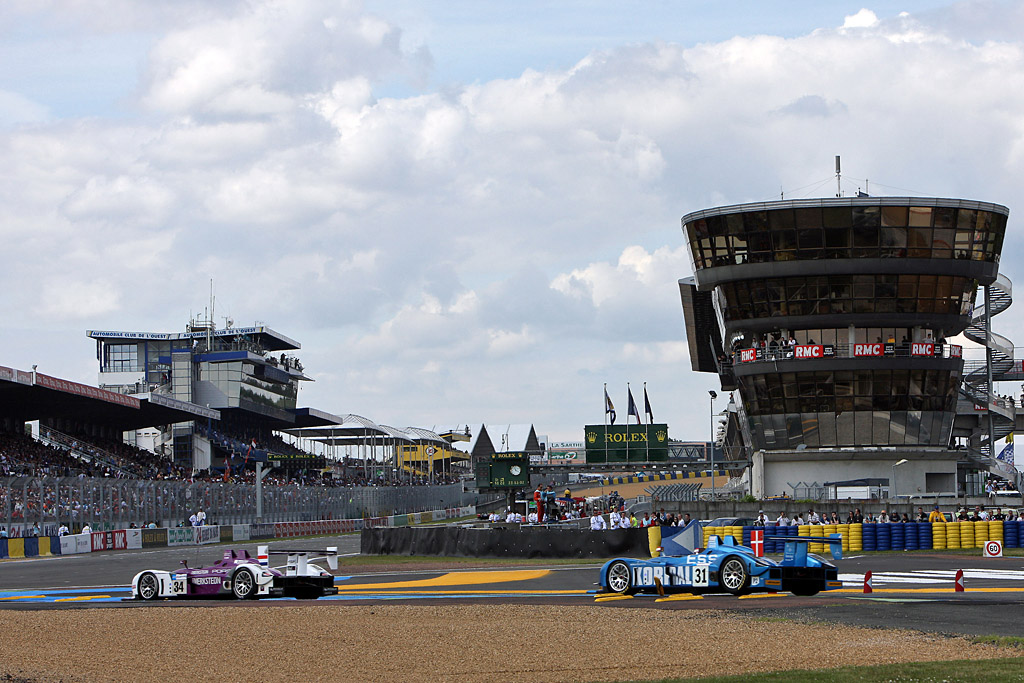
(726, 567)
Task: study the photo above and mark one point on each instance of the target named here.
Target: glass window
(782, 219)
(919, 243)
(894, 216)
(942, 242)
(809, 424)
(866, 217)
(863, 427)
(894, 242)
(716, 226)
(808, 218)
(756, 221)
(837, 217)
(734, 224)
(921, 216)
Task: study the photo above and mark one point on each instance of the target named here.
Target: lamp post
(895, 491)
(711, 443)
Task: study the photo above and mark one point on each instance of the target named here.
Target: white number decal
(177, 587)
(700, 576)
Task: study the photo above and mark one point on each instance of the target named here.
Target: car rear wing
(795, 552)
(298, 559)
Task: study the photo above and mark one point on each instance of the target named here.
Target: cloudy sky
(466, 212)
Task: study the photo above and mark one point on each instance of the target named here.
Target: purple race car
(244, 577)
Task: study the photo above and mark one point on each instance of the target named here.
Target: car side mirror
(184, 563)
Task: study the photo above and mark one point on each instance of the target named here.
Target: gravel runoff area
(470, 643)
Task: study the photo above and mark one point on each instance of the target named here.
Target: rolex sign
(626, 443)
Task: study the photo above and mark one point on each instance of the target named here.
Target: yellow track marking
(24, 597)
(610, 598)
(465, 592)
(677, 598)
(755, 596)
(455, 579)
(80, 598)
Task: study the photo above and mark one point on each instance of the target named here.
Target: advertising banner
(154, 538)
(181, 536)
(876, 349)
(626, 443)
(133, 538)
(207, 534)
(922, 349)
(75, 544)
(261, 531)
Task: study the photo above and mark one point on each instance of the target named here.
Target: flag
(609, 409)
(1006, 455)
(632, 407)
(647, 406)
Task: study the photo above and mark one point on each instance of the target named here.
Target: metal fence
(111, 503)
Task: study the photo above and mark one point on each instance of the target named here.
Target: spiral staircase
(976, 386)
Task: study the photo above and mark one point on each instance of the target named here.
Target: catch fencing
(40, 505)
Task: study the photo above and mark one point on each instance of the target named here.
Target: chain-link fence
(46, 502)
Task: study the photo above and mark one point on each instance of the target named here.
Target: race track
(912, 590)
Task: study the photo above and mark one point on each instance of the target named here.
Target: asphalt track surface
(910, 590)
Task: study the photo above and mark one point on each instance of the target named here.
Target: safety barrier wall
(129, 539)
(31, 546)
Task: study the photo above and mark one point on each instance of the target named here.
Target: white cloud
(865, 18)
(495, 250)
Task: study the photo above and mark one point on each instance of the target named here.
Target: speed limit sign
(993, 549)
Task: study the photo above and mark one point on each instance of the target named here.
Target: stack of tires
(869, 536)
(953, 535)
(924, 536)
(856, 538)
(966, 534)
(897, 535)
(736, 532)
(844, 530)
(884, 536)
(1011, 534)
(939, 535)
(911, 536)
(996, 529)
(981, 534)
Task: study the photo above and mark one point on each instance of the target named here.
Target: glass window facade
(787, 234)
(121, 358)
(860, 294)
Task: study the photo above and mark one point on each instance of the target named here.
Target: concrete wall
(775, 473)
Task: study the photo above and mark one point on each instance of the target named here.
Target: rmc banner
(626, 443)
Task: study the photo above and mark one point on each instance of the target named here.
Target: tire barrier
(1011, 534)
(898, 536)
(884, 539)
(870, 531)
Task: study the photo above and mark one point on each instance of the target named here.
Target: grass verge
(1009, 669)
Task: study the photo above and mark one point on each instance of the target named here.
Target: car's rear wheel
(243, 585)
(733, 575)
(620, 578)
(149, 586)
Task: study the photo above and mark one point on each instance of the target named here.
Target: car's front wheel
(243, 585)
(733, 575)
(620, 578)
(149, 586)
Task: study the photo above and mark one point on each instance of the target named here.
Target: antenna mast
(839, 175)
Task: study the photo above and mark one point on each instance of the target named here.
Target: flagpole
(605, 408)
(627, 422)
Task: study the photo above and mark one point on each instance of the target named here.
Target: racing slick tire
(149, 586)
(733, 575)
(620, 578)
(243, 584)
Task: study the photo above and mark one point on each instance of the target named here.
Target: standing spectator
(538, 501)
(86, 529)
(812, 517)
(614, 520)
(685, 520)
(194, 519)
(782, 519)
(625, 522)
(201, 516)
(936, 516)
(63, 530)
(761, 519)
(597, 522)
